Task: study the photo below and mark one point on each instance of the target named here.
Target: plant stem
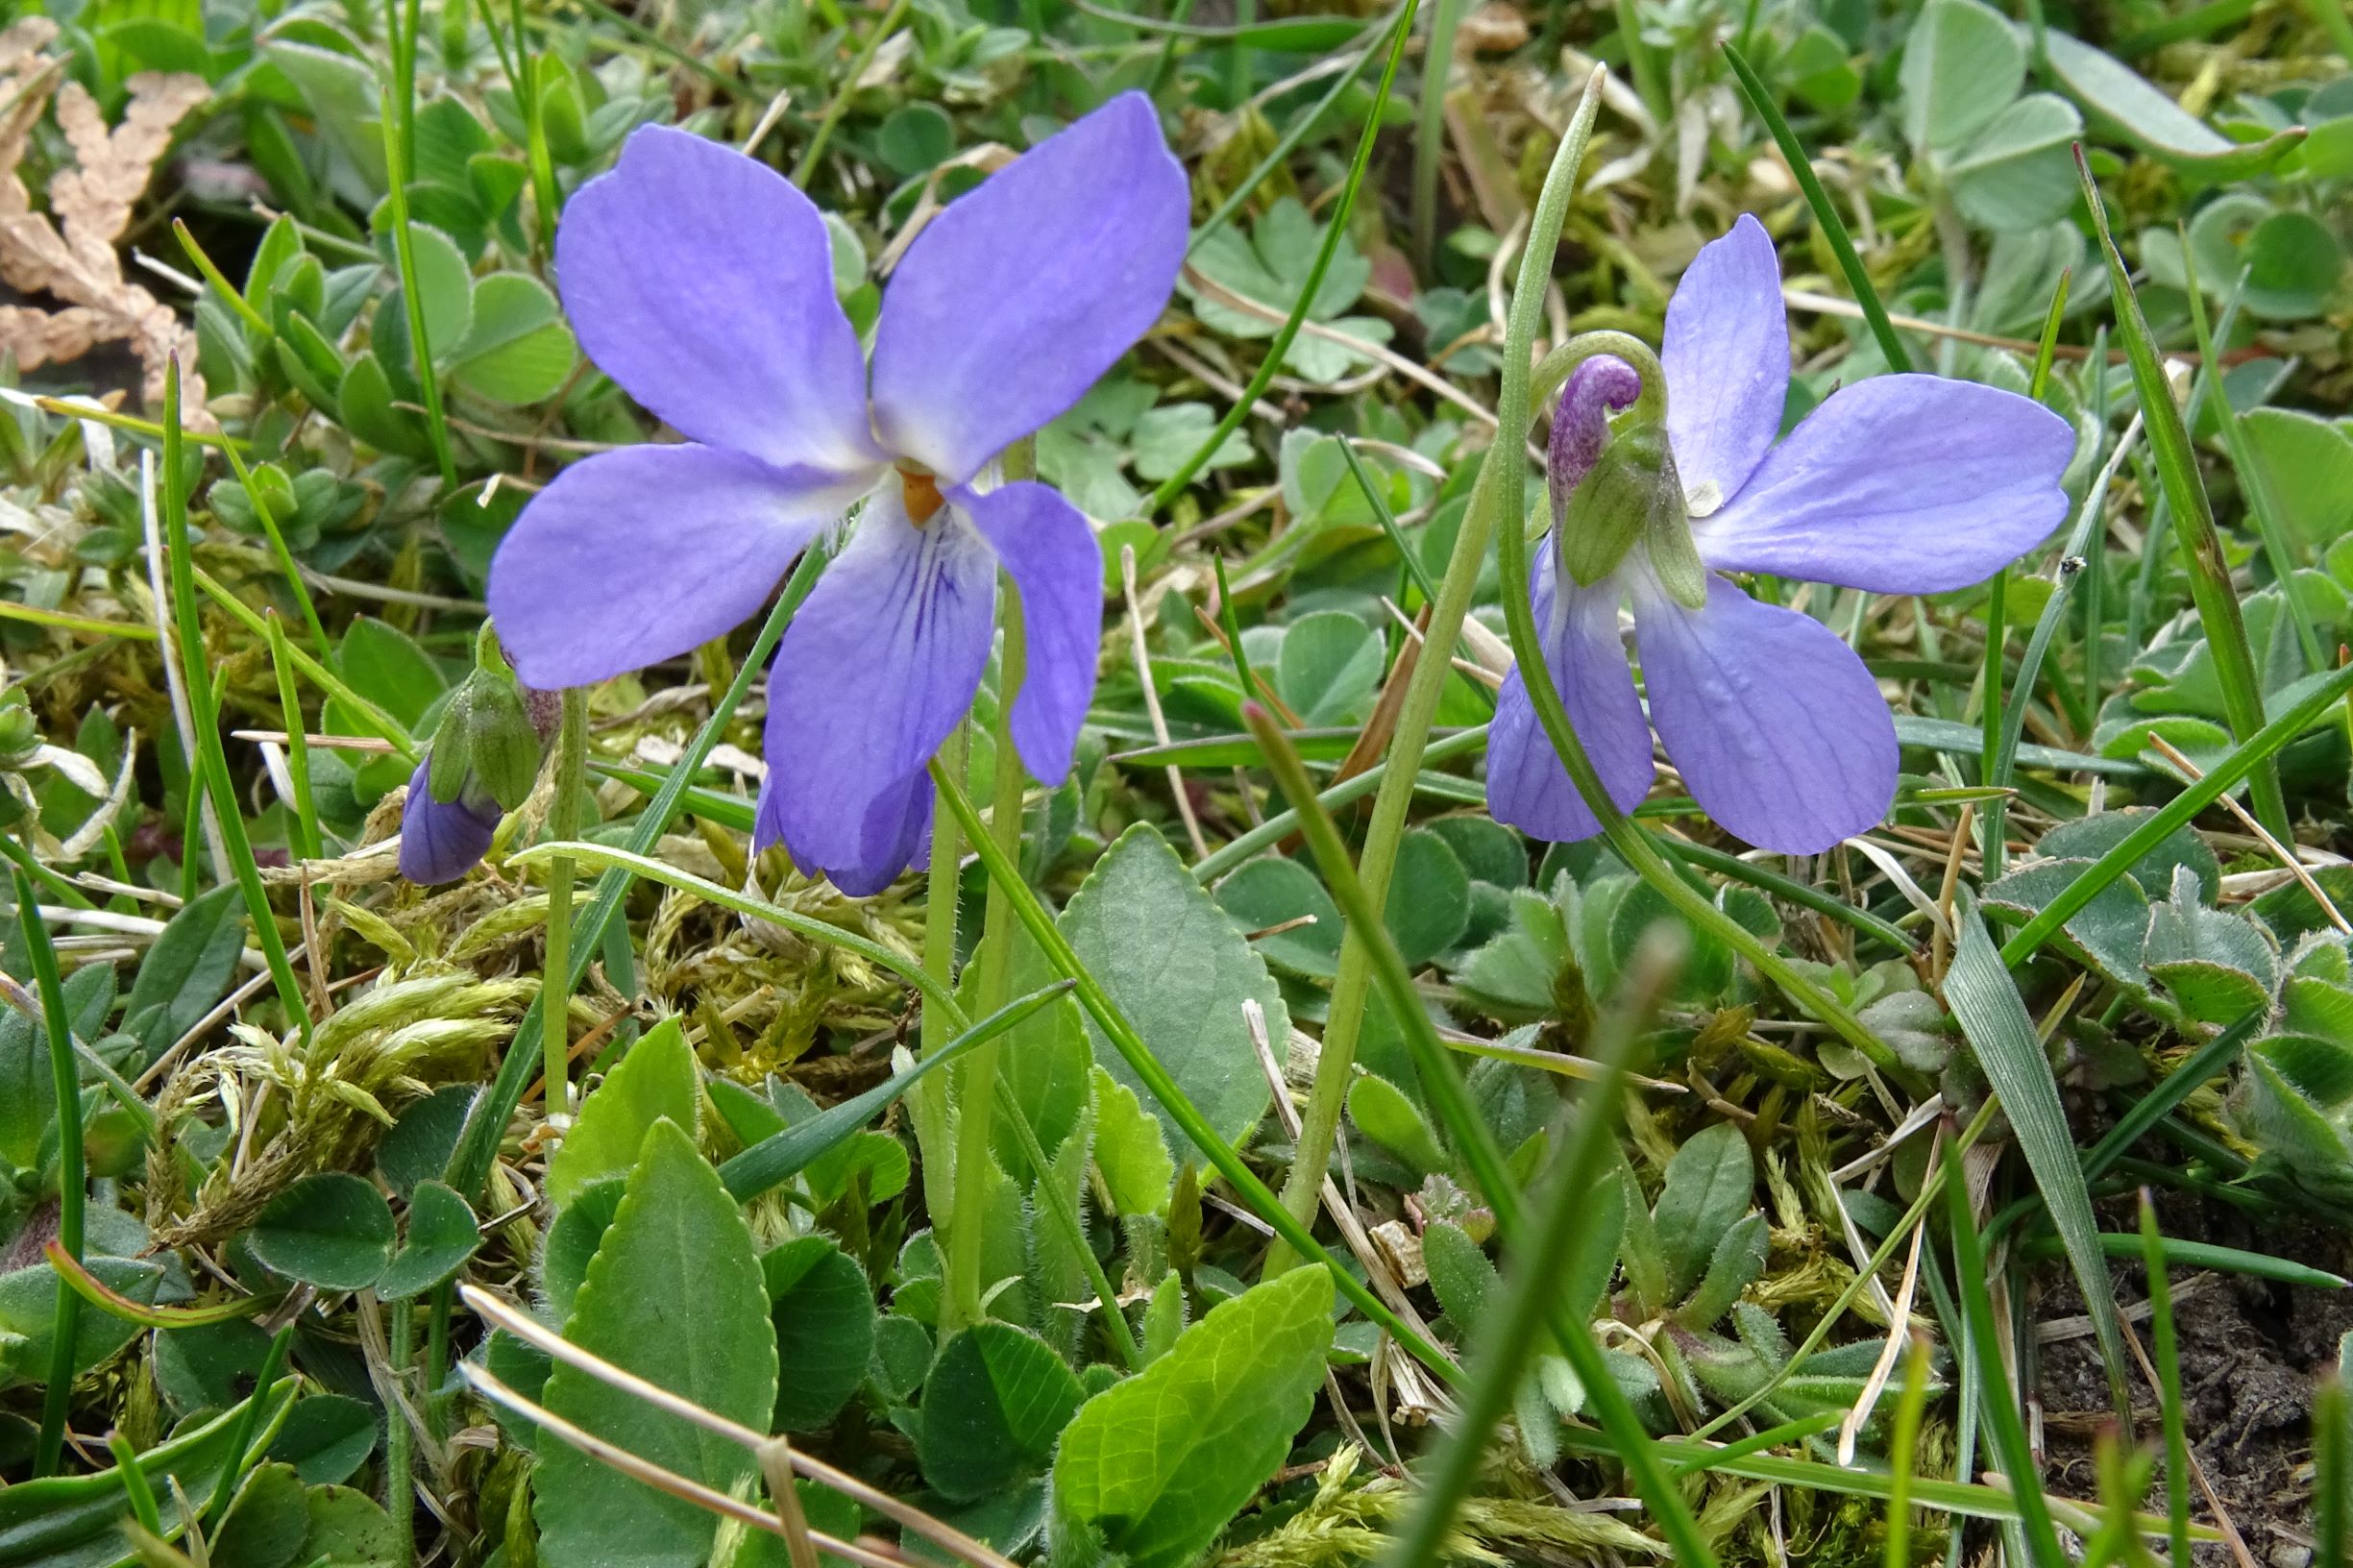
(806, 165)
(399, 1444)
(976, 1092)
(928, 1101)
(2168, 1358)
(1377, 862)
(65, 1085)
(563, 825)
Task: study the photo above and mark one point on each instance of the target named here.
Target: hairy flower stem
(927, 1101)
(563, 825)
(1352, 984)
(977, 1091)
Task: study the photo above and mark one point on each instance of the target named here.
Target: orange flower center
(920, 491)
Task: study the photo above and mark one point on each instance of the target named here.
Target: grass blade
(1826, 216)
(1336, 226)
(2199, 541)
(2250, 755)
(2168, 1381)
(1986, 1003)
(1147, 1067)
(1516, 1331)
(2000, 1404)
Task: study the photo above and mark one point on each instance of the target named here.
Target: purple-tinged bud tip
(1597, 388)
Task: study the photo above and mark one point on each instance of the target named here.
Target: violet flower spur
(1896, 484)
(702, 282)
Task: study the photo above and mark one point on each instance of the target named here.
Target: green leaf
(1272, 890)
(995, 1403)
(1151, 1469)
(188, 970)
(267, 1521)
(330, 1229)
(1178, 970)
(2308, 462)
(1710, 1183)
(387, 667)
(675, 1295)
(1962, 66)
(28, 1092)
(76, 1521)
(2113, 93)
(350, 1529)
(915, 137)
(442, 1236)
(1986, 1004)
(1328, 668)
(445, 286)
(1430, 897)
(2020, 172)
(518, 350)
(1382, 1114)
(327, 1438)
(656, 1080)
(823, 1312)
(27, 1316)
(364, 401)
(1130, 1149)
(1460, 1276)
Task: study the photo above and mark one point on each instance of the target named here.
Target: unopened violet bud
(442, 839)
(487, 742)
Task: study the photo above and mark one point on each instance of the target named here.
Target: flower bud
(487, 741)
(441, 840)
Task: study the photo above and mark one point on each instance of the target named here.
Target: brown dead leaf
(68, 251)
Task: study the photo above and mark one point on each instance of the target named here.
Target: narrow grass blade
(1993, 712)
(2252, 753)
(211, 763)
(2194, 531)
(1986, 1003)
(2254, 479)
(1429, 131)
(778, 1159)
(2009, 1429)
(1275, 829)
(73, 1183)
(1336, 226)
(1147, 1067)
(1826, 216)
(2331, 1468)
(2206, 1063)
(1904, 1453)
(1515, 1331)
(2168, 1356)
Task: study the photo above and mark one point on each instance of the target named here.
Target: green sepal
(503, 743)
(1632, 493)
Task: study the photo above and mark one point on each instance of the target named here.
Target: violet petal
(702, 282)
(1780, 732)
(1049, 550)
(1899, 485)
(638, 555)
(1726, 354)
(1527, 785)
(1017, 297)
(442, 839)
(876, 670)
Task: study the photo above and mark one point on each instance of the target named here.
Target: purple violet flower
(1897, 484)
(442, 839)
(702, 282)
